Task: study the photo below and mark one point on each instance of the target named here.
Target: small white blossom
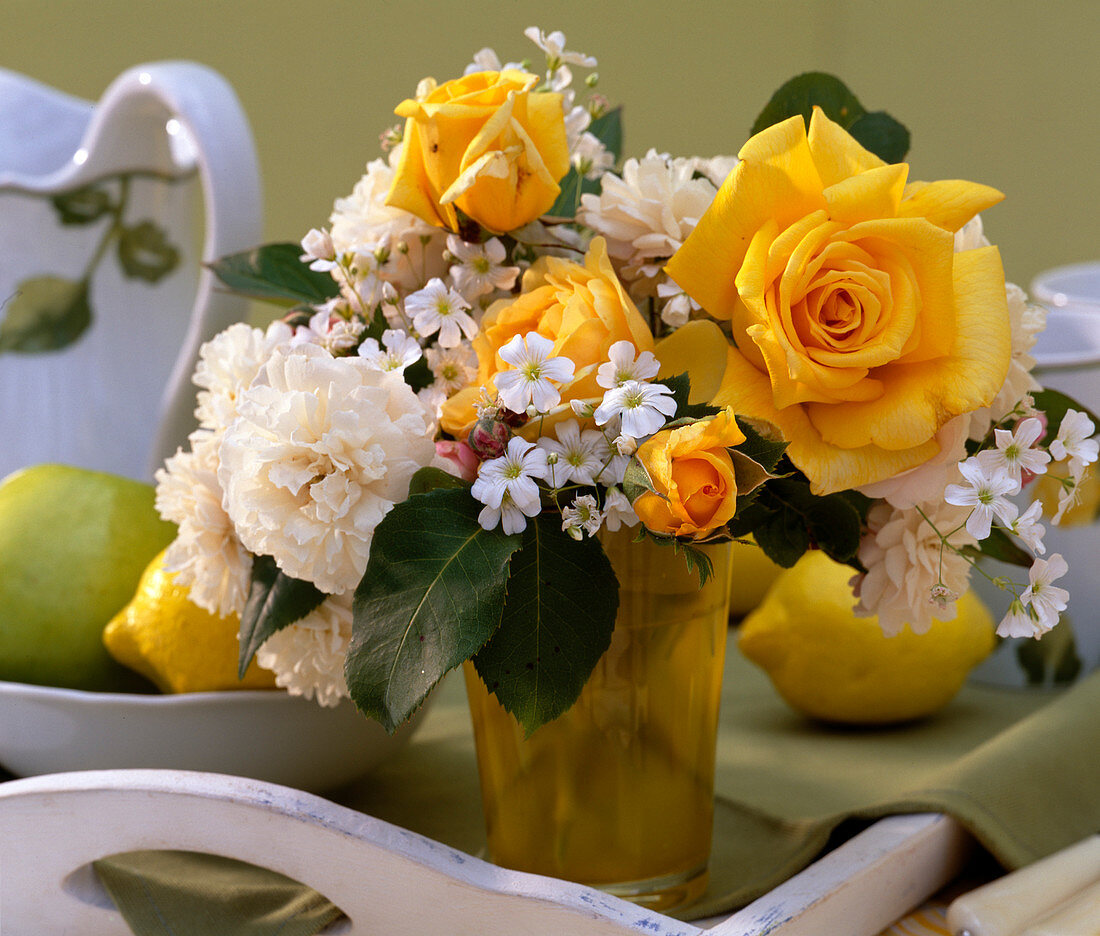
(617, 511)
(317, 247)
(678, 307)
(331, 328)
(553, 44)
(580, 456)
(510, 516)
(400, 351)
(487, 60)
(453, 368)
(436, 308)
(985, 491)
(621, 366)
(1045, 599)
(1019, 621)
(590, 157)
(642, 407)
(583, 408)
(1029, 529)
(480, 268)
(1071, 491)
(513, 475)
(529, 383)
(625, 445)
(1015, 452)
(1073, 440)
(582, 515)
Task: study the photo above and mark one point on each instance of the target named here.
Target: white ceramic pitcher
(99, 260)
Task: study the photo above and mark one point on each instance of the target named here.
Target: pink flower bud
(489, 437)
(463, 461)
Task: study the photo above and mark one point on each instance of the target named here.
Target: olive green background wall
(1005, 93)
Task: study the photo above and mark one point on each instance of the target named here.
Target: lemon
(170, 640)
(831, 665)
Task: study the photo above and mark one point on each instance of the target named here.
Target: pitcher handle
(209, 110)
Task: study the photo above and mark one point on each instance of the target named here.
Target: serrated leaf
(763, 442)
(83, 205)
(557, 623)
(433, 479)
(145, 252)
(431, 597)
(748, 474)
(636, 480)
(275, 600)
(1052, 659)
(880, 133)
(274, 273)
(801, 93)
(831, 522)
(783, 537)
(680, 385)
(47, 313)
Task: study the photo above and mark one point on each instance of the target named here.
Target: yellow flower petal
(835, 152)
(949, 203)
(870, 195)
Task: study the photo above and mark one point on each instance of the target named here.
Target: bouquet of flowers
(509, 343)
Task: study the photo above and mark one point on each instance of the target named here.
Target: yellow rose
(484, 144)
(693, 475)
(583, 309)
(857, 329)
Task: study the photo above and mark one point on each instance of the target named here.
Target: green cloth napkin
(1018, 768)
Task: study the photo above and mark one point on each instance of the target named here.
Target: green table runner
(1020, 769)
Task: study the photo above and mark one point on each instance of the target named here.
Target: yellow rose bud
(583, 309)
(484, 144)
(856, 327)
(693, 475)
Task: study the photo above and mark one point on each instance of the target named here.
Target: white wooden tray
(389, 880)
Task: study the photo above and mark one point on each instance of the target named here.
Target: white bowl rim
(1059, 298)
(165, 699)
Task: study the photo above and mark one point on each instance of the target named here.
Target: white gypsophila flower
(625, 445)
(453, 368)
(1020, 620)
(321, 450)
(206, 557)
(1028, 528)
(927, 481)
(317, 247)
(579, 455)
(397, 351)
(577, 121)
(510, 516)
(529, 383)
(438, 308)
(678, 307)
(480, 269)
(1025, 322)
(590, 157)
(621, 366)
(904, 560)
(971, 235)
(363, 225)
(227, 364)
(513, 475)
(1074, 441)
(553, 44)
(1015, 451)
(582, 516)
(643, 407)
(487, 60)
(1045, 599)
(331, 329)
(307, 657)
(618, 511)
(646, 214)
(984, 491)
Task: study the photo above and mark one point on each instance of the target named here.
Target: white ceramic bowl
(266, 735)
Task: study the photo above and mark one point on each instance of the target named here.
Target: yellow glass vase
(618, 792)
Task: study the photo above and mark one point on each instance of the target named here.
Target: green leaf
(565, 205)
(275, 600)
(1053, 659)
(557, 623)
(783, 537)
(636, 480)
(882, 135)
(432, 479)
(763, 443)
(877, 131)
(1054, 404)
(1001, 546)
(274, 273)
(680, 385)
(145, 252)
(418, 375)
(83, 205)
(47, 313)
(432, 595)
(801, 93)
(831, 520)
(608, 129)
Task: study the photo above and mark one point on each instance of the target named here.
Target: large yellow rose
(693, 476)
(484, 144)
(858, 330)
(583, 309)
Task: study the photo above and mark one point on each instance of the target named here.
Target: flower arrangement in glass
(518, 384)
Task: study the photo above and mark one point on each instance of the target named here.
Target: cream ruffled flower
(307, 657)
(227, 364)
(904, 562)
(646, 214)
(206, 556)
(322, 449)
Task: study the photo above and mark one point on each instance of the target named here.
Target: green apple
(73, 544)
